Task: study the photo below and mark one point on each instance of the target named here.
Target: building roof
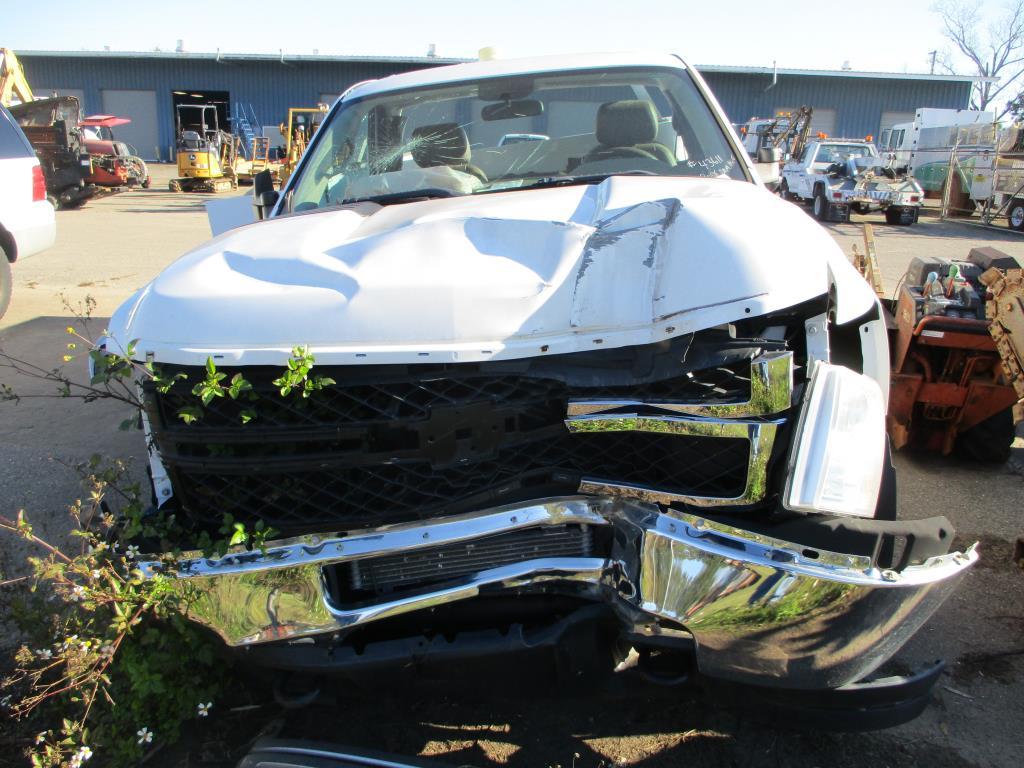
(705, 68)
(221, 56)
(329, 58)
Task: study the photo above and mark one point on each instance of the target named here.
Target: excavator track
(1005, 311)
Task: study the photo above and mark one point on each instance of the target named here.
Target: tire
(820, 206)
(784, 192)
(52, 200)
(6, 282)
(1015, 215)
(892, 215)
(988, 442)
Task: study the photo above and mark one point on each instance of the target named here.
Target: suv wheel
(6, 282)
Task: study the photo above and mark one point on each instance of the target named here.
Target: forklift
(206, 154)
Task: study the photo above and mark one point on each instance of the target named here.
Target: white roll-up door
(823, 120)
(891, 118)
(143, 131)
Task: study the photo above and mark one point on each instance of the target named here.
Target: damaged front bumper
(756, 609)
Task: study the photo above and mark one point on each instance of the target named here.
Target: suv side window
(12, 141)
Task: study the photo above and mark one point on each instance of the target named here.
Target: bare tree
(998, 52)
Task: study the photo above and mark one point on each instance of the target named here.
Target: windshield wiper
(386, 198)
(589, 178)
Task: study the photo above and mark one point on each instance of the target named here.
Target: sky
(869, 34)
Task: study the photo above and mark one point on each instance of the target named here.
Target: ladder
(245, 125)
(260, 149)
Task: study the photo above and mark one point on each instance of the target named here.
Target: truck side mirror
(769, 155)
(264, 196)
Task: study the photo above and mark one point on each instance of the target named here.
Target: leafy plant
(103, 648)
(100, 668)
(296, 378)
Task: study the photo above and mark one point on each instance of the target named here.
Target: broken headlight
(836, 461)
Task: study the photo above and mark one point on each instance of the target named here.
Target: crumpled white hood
(506, 275)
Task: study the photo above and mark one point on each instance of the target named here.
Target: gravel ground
(115, 244)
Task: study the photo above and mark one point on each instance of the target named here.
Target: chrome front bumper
(760, 610)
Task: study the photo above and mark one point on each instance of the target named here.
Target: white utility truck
(922, 148)
(837, 175)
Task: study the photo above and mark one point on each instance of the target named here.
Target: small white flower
(78, 593)
(40, 737)
(83, 754)
(45, 653)
(107, 650)
(203, 710)
(145, 735)
(96, 573)
(132, 552)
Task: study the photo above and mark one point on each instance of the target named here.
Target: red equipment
(115, 164)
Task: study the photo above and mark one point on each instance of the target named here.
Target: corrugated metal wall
(271, 87)
(858, 101)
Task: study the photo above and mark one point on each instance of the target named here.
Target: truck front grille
(422, 443)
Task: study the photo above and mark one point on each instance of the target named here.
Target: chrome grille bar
(771, 389)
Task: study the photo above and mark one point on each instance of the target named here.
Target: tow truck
(840, 175)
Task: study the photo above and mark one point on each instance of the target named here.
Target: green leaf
(239, 536)
(190, 413)
(211, 368)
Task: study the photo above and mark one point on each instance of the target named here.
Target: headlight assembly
(836, 462)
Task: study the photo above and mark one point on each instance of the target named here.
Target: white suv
(27, 222)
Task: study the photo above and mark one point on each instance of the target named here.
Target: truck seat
(628, 128)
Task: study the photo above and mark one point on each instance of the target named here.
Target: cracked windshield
(513, 133)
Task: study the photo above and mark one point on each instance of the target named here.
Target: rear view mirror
(505, 88)
(510, 110)
(264, 196)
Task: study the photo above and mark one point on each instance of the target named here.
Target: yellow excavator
(206, 154)
(13, 84)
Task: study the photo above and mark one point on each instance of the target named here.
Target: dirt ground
(114, 245)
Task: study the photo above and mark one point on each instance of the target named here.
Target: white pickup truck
(837, 175)
(573, 405)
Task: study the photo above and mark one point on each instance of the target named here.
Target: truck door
(800, 183)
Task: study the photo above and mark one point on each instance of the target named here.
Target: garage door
(142, 132)
(823, 120)
(889, 119)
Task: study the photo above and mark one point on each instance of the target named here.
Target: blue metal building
(144, 86)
